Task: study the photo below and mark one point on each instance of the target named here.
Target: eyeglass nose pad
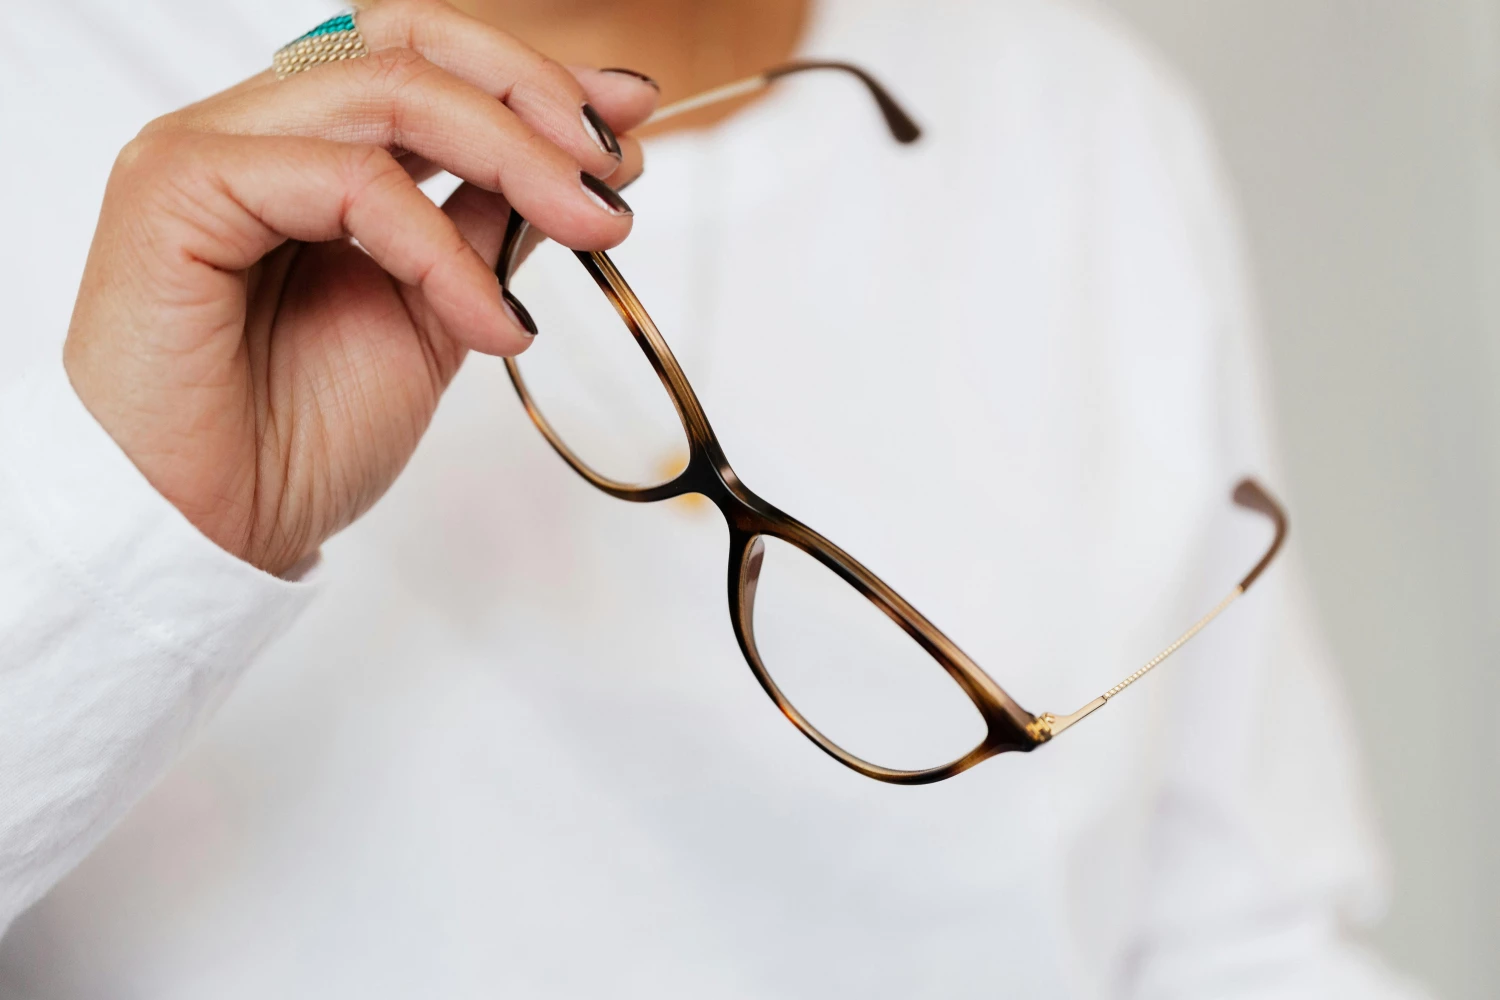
(753, 561)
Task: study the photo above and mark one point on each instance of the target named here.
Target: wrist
(169, 460)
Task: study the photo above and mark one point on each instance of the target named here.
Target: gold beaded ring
(335, 39)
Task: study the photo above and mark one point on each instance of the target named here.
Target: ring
(336, 39)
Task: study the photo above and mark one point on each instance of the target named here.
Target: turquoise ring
(334, 40)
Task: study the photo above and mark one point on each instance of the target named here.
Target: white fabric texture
(513, 748)
(121, 625)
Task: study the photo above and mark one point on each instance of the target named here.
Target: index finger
(546, 96)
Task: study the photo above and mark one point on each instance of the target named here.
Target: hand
(266, 374)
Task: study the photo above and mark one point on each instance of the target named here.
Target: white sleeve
(121, 626)
(1263, 857)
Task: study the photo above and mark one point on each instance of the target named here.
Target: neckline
(814, 39)
(773, 143)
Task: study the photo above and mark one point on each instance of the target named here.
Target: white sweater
(511, 747)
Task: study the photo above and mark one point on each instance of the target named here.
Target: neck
(687, 46)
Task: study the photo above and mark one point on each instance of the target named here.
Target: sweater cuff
(92, 513)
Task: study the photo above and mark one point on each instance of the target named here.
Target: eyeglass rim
(1009, 727)
(709, 474)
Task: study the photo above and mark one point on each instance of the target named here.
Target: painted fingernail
(630, 72)
(605, 195)
(518, 312)
(600, 130)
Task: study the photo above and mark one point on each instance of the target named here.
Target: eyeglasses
(855, 667)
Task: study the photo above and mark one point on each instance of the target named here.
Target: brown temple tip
(1248, 493)
(903, 129)
(1252, 496)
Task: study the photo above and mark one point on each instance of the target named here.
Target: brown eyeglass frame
(1009, 727)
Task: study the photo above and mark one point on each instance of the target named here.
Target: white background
(1363, 141)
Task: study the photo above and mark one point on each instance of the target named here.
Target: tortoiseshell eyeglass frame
(708, 473)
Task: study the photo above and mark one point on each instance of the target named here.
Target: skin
(687, 46)
(270, 377)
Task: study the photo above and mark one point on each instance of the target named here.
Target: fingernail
(630, 72)
(632, 180)
(600, 130)
(604, 195)
(518, 312)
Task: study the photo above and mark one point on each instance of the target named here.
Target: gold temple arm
(903, 129)
(1248, 494)
(729, 91)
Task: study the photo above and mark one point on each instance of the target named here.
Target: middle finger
(398, 100)
(542, 93)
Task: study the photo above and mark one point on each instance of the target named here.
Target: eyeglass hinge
(1045, 726)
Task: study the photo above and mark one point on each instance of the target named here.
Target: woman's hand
(268, 376)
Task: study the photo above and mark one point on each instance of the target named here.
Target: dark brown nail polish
(630, 72)
(602, 133)
(518, 312)
(606, 195)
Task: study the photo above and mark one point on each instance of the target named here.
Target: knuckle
(162, 130)
(544, 83)
(392, 69)
(156, 126)
(540, 149)
(133, 155)
(530, 158)
(190, 118)
(554, 72)
(542, 74)
(371, 168)
(148, 152)
(396, 21)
